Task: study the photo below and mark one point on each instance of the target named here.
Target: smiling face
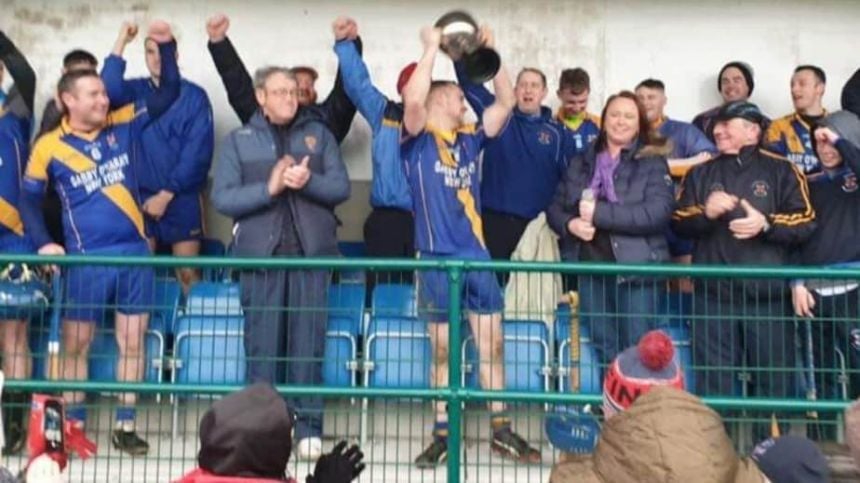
(732, 135)
(86, 103)
(621, 121)
(733, 85)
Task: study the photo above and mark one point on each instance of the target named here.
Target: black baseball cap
(740, 109)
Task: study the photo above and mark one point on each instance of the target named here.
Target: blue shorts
(182, 220)
(480, 292)
(92, 290)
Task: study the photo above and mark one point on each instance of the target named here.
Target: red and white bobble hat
(637, 369)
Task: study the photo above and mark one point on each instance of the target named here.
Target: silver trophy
(460, 41)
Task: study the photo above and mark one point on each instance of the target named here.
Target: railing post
(455, 409)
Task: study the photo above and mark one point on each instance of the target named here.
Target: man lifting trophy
(462, 41)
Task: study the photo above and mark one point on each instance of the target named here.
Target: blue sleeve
(330, 187)
(195, 157)
(161, 98)
(229, 195)
(369, 101)
(119, 91)
(30, 207)
(696, 142)
(478, 96)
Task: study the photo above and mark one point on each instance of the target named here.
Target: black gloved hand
(339, 466)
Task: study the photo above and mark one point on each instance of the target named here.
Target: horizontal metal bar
(374, 264)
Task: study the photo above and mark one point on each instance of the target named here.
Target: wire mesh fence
(397, 355)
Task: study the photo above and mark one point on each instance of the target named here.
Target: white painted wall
(619, 42)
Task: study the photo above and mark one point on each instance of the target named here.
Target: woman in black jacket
(614, 204)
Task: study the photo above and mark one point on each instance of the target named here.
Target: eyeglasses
(281, 93)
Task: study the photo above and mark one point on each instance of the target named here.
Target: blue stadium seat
(590, 380)
(345, 315)
(397, 345)
(208, 341)
(214, 298)
(527, 367)
(209, 349)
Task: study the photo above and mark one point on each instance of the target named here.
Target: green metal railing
(455, 395)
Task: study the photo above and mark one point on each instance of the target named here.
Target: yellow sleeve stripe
(10, 218)
(689, 211)
(391, 123)
(40, 157)
(123, 115)
(808, 213)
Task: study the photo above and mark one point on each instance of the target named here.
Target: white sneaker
(309, 449)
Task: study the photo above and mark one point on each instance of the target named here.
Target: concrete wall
(619, 42)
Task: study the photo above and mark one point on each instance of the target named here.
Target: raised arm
(338, 108)
(356, 78)
(496, 116)
(416, 90)
(119, 90)
(159, 100)
(237, 81)
(23, 75)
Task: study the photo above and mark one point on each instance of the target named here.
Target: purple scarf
(602, 183)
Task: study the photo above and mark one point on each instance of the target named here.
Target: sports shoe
(129, 442)
(510, 445)
(309, 449)
(433, 455)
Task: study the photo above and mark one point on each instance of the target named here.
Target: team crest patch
(544, 138)
(849, 183)
(95, 153)
(760, 189)
(111, 141)
(311, 143)
(717, 187)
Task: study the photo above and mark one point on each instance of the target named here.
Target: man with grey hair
(280, 177)
(745, 207)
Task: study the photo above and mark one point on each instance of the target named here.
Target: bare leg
(130, 330)
(77, 337)
(16, 351)
(487, 329)
(439, 367)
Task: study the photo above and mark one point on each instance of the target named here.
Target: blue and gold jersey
(581, 131)
(443, 172)
(791, 136)
(14, 133)
(94, 176)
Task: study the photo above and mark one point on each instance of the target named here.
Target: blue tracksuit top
(389, 188)
(178, 146)
(524, 163)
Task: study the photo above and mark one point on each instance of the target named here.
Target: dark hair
(652, 84)
(647, 137)
(70, 79)
(304, 69)
(79, 56)
(577, 80)
(817, 71)
(533, 70)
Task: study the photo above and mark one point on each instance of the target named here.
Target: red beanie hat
(637, 369)
(405, 75)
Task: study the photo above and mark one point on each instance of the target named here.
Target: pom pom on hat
(656, 350)
(637, 369)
